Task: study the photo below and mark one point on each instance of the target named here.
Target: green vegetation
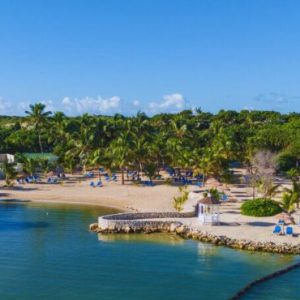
(202, 142)
(260, 207)
(291, 197)
(179, 201)
(9, 172)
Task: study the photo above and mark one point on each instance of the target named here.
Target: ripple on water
(46, 252)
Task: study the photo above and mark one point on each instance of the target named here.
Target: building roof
(41, 156)
(209, 201)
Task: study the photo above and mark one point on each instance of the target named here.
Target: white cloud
(136, 103)
(91, 105)
(249, 108)
(50, 106)
(170, 103)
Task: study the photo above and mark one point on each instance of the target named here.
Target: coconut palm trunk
(122, 175)
(40, 142)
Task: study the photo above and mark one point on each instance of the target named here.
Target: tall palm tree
(120, 149)
(38, 118)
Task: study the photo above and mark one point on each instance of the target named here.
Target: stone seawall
(170, 222)
(140, 222)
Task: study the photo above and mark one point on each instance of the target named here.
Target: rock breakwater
(174, 223)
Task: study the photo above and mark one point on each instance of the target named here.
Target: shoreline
(158, 199)
(75, 203)
(147, 223)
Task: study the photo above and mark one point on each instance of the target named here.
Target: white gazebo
(208, 210)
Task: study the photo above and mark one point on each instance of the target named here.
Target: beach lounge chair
(224, 197)
(99, 184)
(289, 231)
(51, 180)
(277, 229)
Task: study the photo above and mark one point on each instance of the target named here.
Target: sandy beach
(134, 198)
(76, 190)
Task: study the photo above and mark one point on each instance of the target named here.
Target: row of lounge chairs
(97, 184)
(28, 179)
(172, 173)
(186, 181)
(102, 172)
(110, 178)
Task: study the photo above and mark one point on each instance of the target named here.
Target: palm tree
(288, 202)
(38, 117)
(120, 149)
(150, 169)
(81, 142)
(295, 190)
(9, 172)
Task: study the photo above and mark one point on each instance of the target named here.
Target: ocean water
(47, 252)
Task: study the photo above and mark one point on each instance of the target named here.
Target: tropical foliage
(179, 201)
(9, 172)
(202, 142)
(260, 207)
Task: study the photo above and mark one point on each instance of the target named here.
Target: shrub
(179, 201)
(260, 207)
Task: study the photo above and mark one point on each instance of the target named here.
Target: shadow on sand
(19, 188)
(261, 224)
(230, 224)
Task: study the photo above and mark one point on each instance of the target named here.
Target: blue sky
(107, 56)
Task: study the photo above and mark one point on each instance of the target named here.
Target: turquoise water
(47, 252)
(285, 287)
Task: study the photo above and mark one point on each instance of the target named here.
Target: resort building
(7, 158)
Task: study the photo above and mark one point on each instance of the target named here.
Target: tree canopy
(200, 141)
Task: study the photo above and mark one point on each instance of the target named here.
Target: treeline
(203, 142)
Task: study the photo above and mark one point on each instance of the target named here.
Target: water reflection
(66, 260)
(207, 249)
(153, 238)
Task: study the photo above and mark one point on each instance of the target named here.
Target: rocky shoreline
(142, 223)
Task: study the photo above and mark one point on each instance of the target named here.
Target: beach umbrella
(285, 217)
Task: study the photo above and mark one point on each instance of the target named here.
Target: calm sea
(47, 252)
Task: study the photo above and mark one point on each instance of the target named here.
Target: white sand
(129, 197)
(76, 190)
